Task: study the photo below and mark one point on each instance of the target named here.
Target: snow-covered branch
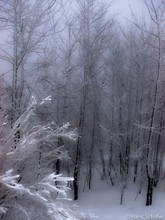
(20, 176)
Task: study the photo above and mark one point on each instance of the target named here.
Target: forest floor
(103, 202)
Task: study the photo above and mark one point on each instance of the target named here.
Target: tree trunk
(75, 183)
(77, 171)
(135, 171)
(149, 191)
(77, 162)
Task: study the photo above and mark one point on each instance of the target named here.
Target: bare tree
(152, 94)
(27, 27)
(92, 26)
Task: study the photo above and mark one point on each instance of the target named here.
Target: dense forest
(106, 114)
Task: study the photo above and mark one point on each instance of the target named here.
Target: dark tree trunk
(135, 171)
(127, 155)
(77, 170)
(58, 166)
(149, 191)
(75, 183)
(122, 193)
(58, 162)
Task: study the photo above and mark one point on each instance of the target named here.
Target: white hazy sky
(121, 7)
(124, 7)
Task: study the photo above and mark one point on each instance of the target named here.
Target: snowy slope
(104, 202)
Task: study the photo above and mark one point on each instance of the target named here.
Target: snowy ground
(104, 202)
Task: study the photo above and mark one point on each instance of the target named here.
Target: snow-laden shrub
(28, 188)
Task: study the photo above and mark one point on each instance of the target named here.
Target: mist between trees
(106, 80)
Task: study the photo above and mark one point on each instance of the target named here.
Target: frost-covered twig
(36, 145)
(3, 210)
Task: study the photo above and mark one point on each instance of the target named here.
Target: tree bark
(149, 191)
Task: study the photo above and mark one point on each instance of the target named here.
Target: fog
(125, 8)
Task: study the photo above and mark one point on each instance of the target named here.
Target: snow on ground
(104, 202)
